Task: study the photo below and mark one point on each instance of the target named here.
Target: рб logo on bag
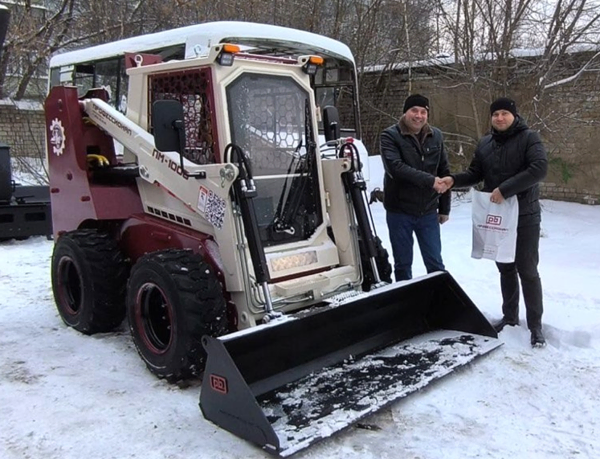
(493, 220)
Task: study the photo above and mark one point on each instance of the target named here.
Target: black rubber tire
(383, 266)
(173, 300)
(89, 277)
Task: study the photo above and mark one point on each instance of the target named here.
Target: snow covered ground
(64, 395)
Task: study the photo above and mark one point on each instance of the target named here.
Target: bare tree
(522, 47)
(34, 34)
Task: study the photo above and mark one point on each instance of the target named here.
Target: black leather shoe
(499, 326)
(537, 338)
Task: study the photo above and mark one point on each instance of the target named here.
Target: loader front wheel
(173, 300)
(89, 277)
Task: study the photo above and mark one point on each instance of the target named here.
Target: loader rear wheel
(383, 266)
(89, 276)
(173, 300)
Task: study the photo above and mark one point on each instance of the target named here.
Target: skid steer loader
(238, 252)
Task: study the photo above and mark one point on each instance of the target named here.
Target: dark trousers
(525, 268)
(427, 229)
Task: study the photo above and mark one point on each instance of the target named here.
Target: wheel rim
(154, 318)
(69, 286)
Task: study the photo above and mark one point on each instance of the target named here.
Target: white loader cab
(334, 83)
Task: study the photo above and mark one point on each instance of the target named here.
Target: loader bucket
(287, 385)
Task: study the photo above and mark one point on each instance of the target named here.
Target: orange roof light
(233, 49)
(227, 53)
(312, 63)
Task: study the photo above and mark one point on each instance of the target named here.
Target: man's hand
(496, 196)
(448, 181)
(443, 218)
(440, 185)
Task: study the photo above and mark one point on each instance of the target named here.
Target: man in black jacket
(511, 161)
(414, 158)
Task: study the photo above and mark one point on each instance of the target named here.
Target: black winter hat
(416, 100)
(504, 103)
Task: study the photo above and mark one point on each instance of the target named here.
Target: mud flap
(287, 385)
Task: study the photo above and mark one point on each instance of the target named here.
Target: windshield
(268, 119)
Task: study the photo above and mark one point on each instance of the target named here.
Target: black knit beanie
(504, 103)
(416, 100)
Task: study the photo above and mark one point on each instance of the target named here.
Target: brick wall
(550, 190)
(570, 113)
(22, 127)
(573, 141)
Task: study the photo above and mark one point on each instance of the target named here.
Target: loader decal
(57, 137)
(218, 384)
(108, 118)
(202, 199)
(161, 158)
(215, 210)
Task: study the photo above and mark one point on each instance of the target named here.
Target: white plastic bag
(494, 228)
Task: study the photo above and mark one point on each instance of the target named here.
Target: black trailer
(24, 210)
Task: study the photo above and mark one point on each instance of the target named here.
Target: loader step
(324, 402)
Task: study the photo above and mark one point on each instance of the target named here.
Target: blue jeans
(427, 228)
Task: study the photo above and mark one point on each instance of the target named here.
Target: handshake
(441, 185)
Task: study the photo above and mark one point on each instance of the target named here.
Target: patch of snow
(64, 395)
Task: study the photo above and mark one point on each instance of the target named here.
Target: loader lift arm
(244, 191)
(356, 187)
(152, 160)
